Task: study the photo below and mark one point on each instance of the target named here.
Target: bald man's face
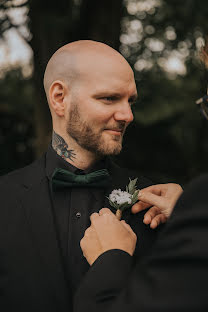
(100, 107)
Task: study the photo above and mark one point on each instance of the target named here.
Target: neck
(73, 153)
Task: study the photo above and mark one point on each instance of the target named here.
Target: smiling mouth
(115, 131)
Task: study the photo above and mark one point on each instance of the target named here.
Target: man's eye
(109, 98)
(132, 102)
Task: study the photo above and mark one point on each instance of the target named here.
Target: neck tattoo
(61, 147)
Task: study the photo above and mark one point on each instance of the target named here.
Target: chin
(110, 149)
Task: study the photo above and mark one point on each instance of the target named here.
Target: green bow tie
(62, 178)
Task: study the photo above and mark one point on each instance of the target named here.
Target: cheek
(95, 112)
(102, 113)
(101, 119)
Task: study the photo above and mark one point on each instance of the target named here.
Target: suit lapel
(120, 179)
(38, 208)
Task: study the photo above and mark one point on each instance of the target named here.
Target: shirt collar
(53, 160)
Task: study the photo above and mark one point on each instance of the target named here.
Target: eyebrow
(133, 97)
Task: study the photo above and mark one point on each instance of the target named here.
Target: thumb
(152, 199)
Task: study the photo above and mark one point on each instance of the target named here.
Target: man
(45, 207)
(173, 276)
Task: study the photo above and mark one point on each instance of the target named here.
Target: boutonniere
(121, 200)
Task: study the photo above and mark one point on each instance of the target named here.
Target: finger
(88, 231)
(150, 214)
(152, 199)
(154, 189)
(161, 218)
(82, 243)
(94, 216)
(105, 211)
(139, 207)
(127, 226)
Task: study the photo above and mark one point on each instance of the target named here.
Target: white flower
(120, 197)
(122, 200)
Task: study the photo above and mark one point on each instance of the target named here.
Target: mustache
(121, 126)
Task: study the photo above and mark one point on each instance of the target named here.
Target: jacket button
(78, 215)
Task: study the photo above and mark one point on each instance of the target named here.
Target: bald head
(90, 89)
(70, 63)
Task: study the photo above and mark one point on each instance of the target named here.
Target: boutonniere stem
(118, 214)
(121, 200)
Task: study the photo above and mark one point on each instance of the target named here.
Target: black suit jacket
(173, 277)
(31, 270)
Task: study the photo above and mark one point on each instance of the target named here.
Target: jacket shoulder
(125, 174)
(142, 180)
(18, 176)
(195, 192)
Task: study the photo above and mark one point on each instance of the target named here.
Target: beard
(92, 140)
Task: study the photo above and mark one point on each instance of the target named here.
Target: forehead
(108, 73)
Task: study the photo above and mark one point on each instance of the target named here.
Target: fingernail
(140, 194)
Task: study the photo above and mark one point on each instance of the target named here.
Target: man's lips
(115, 131)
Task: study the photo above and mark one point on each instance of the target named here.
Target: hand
(90, 245)
(162, 198)
(106, 232)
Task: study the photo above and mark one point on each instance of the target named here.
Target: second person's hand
(161, 199)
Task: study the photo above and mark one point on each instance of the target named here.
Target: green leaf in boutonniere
(121, 200)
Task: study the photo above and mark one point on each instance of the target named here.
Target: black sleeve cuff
(106, 277)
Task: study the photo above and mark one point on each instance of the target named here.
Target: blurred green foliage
(168, 140)
(16, 121)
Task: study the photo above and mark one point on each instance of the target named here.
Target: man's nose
(124, 113)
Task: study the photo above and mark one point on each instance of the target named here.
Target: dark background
(168, 140)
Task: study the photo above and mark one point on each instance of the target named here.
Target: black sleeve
(173, 278)
(105, 279)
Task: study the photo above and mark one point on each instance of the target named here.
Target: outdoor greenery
(160, 39)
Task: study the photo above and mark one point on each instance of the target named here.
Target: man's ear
(57, 93)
